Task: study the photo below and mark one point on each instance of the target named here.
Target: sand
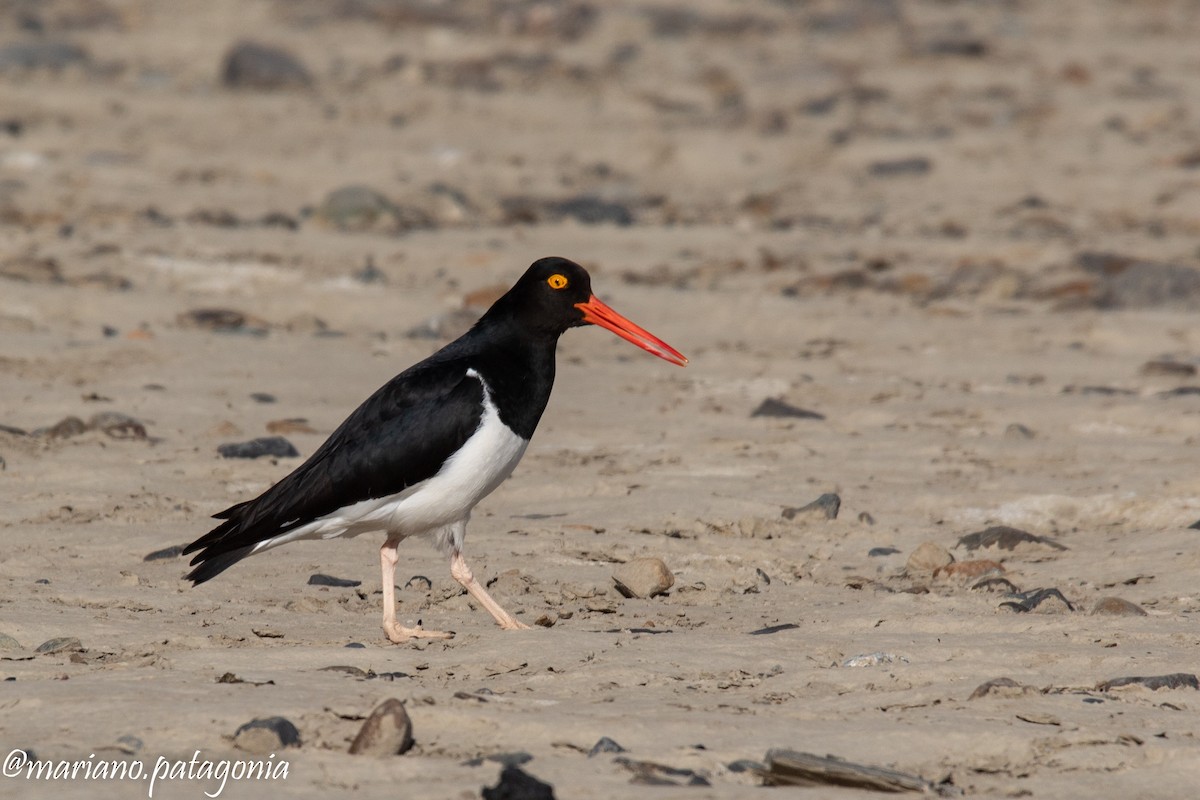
(881, 215)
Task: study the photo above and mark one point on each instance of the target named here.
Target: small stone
(61, 644)
(262, 397)
(386, 732)
(266, 735)
(1018, 432)
(880, 552)
(250, 65)
(968, 570)
(643, 577)
(320, 579)
(892, 168)
(117, 425)
(605, 745)
(1028, 601)
(1117, 607)
(770, 629)
(1002, 687)
(824, 507)
(222, 320)
(63, 429)
(772, 407)
(174, 551)
(361, 209)
(275, 446)
(516, 784)
(873, 660)
(1170, 369)
(928, 557)
(9, 643)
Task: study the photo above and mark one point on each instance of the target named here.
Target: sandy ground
(881, 213)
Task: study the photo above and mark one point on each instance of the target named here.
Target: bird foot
(399, 634)
(514, 625)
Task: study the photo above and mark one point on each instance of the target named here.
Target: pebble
(648, 773)
(1177, 680)
(892, 168)
(773, 407)
(1123, 281)
(824, 507)
(513, 759)
(386, 732)
(643, 577)
(880, 552)
(174, 551)
(516, 784)
(275, 446)
(767, 631)
(63, 429)
(1117, 607)
(117, 425)
(222, 320)
(605, 745)
(262, 397)
(928, 557)
(266, 735)
(60, 645)
(52, 54)
(1171, 369)
(358, 209)
(792, 768)
(251, 65)
(1004, 537)
(967, 570)
(1003, 687)
(320, 579)
(9, 643)
(1018, 432)
(873, 660)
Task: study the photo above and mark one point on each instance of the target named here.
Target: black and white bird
(436, 439)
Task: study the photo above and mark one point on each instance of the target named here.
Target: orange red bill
(600, 314)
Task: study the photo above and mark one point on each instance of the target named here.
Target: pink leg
(394, 630)
(462, 573)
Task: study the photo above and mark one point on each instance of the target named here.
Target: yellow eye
(557, 281)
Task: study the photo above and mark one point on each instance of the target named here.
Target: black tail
(210, 566)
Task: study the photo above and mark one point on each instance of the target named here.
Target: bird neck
(518, 369)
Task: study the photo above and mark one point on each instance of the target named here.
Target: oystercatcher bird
(436, 439)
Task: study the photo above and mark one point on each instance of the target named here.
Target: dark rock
(415, 583)
(319, 579)
(266, 735)
(117, 425)
(250, 65)
(585, 208)
(900, 167)
(51, 54)
(175, 551)
(1178, 680)
(1028, 601)
(746, 765)
(1129, 282)
(262, 397)
(516, 784)
(605, 745)
(879, 552)
(643, 577)
(962, 47)
(824, 507)
(222, 320)
(1172, 369)
(1003, 537)
(370, 274)
(772, 407)
(61, 644)
(1181, 391)
(275, 446)
(63, 429)
(767, 631)
(1017, 431)
(386, 732)
(648, 773)
(1001, 686)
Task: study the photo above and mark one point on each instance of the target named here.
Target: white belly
(472, 473)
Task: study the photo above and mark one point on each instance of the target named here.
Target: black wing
(400, 436)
